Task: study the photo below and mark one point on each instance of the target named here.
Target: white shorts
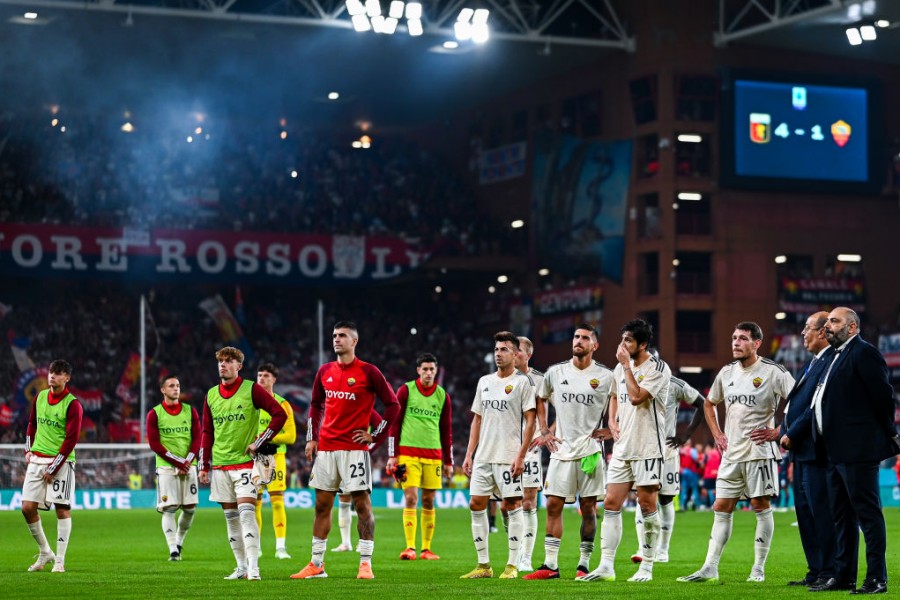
(228, 486)
(642, 472)
(176, 490)
(35, 489)
(494, 479)
(342, 471)
(671, 481)
(565, 479)
(748, 479)
(533, 473)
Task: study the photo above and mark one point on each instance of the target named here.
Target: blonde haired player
(228, 445)
(266, 376)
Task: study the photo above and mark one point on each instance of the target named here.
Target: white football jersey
(642, 428)
(537, 378)
(751, 396)
(580, 397)
(679, 391)
(502, 403)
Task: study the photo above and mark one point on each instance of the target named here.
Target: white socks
(721, 532)
(514, 535)
(318, 551)
(551, 552)
(344, 522)
(765, 527)
(666, 524)
(648, 543)
(586, 549)
(236, 536)
(184, 523)
(366, 547)
(250, 535)
(529, 532)
(63, 531)
(480, 535)
(37, 532)
(610, 536)
(170, 528)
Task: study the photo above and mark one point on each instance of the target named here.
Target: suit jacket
(858, 406)
(799, 418)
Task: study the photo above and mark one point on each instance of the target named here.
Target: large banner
(561, 311)
(179, 255)
(580, 200)
(501, 164)
(803, 297)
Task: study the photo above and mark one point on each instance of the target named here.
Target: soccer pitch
(122, 554)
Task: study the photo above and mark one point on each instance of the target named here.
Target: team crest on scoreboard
(508, 389)
(757, 381)
(351, 381)
(595, 383)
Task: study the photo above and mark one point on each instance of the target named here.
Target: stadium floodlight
(780, 316)
(414, 27)
(491, 289)
(690, 196)
(127, 127)
(502, 278)
(357, 144)
(480, 31)
(355, 7)
(414, 11)
(868, 33)
(361, 23)
(54, 122)
(690, 138)
(462, 30)
(396, 9)
(190, 139)
(465, 15)
(882, 23)
(390, 26)
(438, 289)
(517, 224)
(62, 129)
(693, 370)
(378, 24)
(30, 16)
(544, 272)
(294, 174)
(373, 8)
(854, 11)
(849, 257)
(780, 259)
(853, 36)
(333, 95)
(451, 45)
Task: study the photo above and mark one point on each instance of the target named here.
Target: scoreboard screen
(798, 134)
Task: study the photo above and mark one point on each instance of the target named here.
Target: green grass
(122, 554)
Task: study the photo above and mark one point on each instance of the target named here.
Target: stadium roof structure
(285, 56)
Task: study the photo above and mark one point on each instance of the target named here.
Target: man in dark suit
(853, 409)
(813, 515)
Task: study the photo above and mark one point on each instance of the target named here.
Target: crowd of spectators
(234, 175)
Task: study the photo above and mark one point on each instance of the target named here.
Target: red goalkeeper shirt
(343, 397)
